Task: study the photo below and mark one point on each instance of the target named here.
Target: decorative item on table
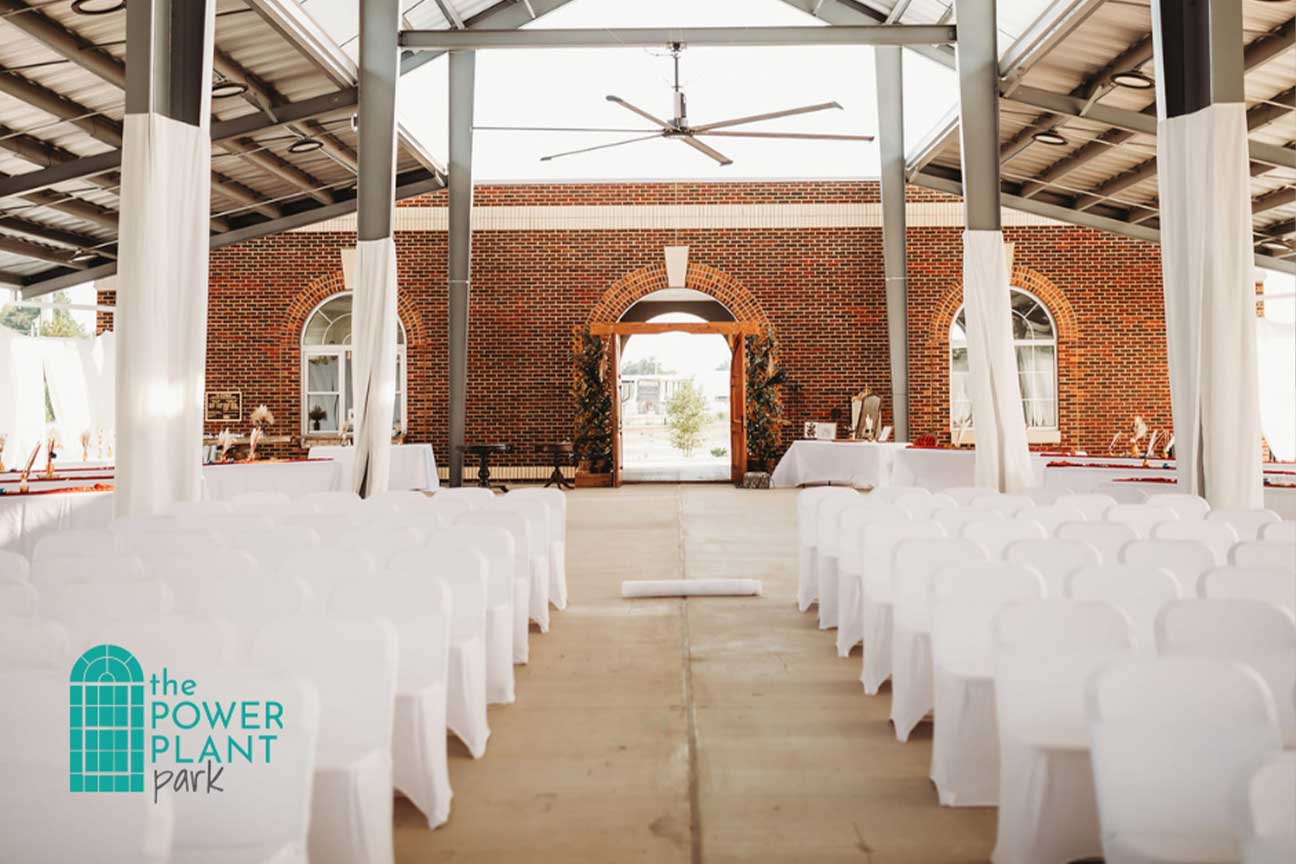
(3, 440)
(112, 437)
(23, 485)
(961, 430)
(1132, 438)
(99, 444)
(262, 417)
(1151, 448)
(85, 445)
(225, 441)
(886, 434)
(825, 431)
(52, 443)
(254, 438)
(1168, 451)
(923, 442)
(866, 415)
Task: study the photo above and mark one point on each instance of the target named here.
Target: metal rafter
(500, 16)
(647, 37)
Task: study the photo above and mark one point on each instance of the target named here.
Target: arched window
(106, 722)
(327, 409)
(1035, 344)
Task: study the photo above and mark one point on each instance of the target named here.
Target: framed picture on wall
(224, 406)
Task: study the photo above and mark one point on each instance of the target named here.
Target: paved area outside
(706, 730)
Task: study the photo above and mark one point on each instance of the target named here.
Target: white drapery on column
(1002, 455)
(373, 342)
(69, 391)
(22, 396)
(1206, 261)
(161, 320)
(1276, 354)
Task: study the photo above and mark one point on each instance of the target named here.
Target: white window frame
(1034, 434)
(343, 353)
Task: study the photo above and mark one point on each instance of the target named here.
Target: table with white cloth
(868, 463)
(25, 519)
(934, 468)
(224, 480)
(1280, 499)
(413, 466)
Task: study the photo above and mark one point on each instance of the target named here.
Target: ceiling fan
(680, 129)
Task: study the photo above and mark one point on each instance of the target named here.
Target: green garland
(764, 407)
(592, 436)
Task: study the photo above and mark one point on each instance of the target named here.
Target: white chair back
(1264, 553)
(34, 643)
(891, 494)
(327, 525)
(150, 545)
(517, 527)
(1139, 592)
(1186, 506)
(393, 502)
(118, 567)
(556, 501)
(1008, 505)
(808, 501)
(1279, 532)
(263, 503)
(851, 531)
(1106, 537)
(249, 600)
(13, 567)
(188, 578)
(495, 545)
(419, 608)
(272, 548)
(964, 495)
(75, 543)
(81, 607)
(922, 506)
(1169, 738)
(199, 509)
(326, 567)
(1274, 586)
(1055, 560)
(226, 524)
(1247, 523)
(1248, 631)
(1140, 517)
(178, 640)
(335, 501)
(914, 563)
(996, 535)
(830, 522)
(952, 519)
(877, 546)
(475, 497)
(1186, 560)
(537, 516)
(1217, 536)
(464, 572)
(1091, 504)
(1262, 815)
(379, 542)
(1050, 516)
(17, 599)
(1043, 497)
(965, 599)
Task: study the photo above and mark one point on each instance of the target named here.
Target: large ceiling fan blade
(642, 113)
(809, 136)
(599, 147)
(806, 109)
(560, 129)
(698, 145)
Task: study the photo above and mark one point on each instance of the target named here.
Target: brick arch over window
(325, 287)
(1050, 295)
(633, 287)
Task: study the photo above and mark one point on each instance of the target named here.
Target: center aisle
(716, 730)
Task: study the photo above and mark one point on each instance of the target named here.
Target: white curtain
(22, 396)
(162, 307)
(373, 341)
(1206, 263)
(1002, 455)
(68, 391)
(1276, 351)
(98, 359)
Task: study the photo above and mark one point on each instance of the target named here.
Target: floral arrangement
(52, 444)
(317, 415)
(764, 405)
(262, 417)
(4, 439)
(253, 440)
(99, 442)
(592, 435)
(225, 441)
(85, 445)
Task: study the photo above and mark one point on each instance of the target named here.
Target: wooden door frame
(735, 333)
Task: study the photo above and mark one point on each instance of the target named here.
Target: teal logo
(106, 714)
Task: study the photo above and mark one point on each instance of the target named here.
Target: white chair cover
(108, 569)
(891, 494)
(1107, 537)
(850, 566)
(808, 501)
(1044, 652)
(352, 663)
(76, 543)
(272, 548)
(13, 567)
(17, 599)
(1247, 523)
(420, 608)
(965, 747)
(1280, 532)
(225, 524)
(475, 497)
(1092, 505)
(1140, 517)
(879, 541)
(1186, 560)
(150, 545)
(920, 506)
(327, 525)
(1169, 739)
(1271, 585)
(1218, 536)
(394, 501)
(379, 542)
(1044, 497)
(33, 643)
(1262, 815)
(1264, 553)
(332, 501)
(536, 551)
(556, 501)
(516, 525)
(1050, 516)
(266, 503)
(1187, 506)
(247, 598)
(1002, 502)
(1140, 592)
(199, 508)
(964, 495)
(996, 535)
(176, 640)
(189, 578)
(952, 519)
(324, 568)
(1248, 631)
(827, 548)
(914, 563)
(82, 606)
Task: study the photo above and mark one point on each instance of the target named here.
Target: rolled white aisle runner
(691, 588)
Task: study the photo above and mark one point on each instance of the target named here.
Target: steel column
(890, 101)
(463, 66)
(978, 71)
(376, 134)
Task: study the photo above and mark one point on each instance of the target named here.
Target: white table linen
(413, 466)
(225, 480)
(25, 519)
(837, 462)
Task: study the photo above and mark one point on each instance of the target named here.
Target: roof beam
(502, 15)
(48, 233)
(649, 37)
(1271, 110)
(450, 14)
(847, 12)
(37, 252)
(57, 105)
(62, 41)
(1270, 200)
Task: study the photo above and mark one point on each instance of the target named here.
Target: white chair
(827, 548)
(1050, 516)
(333, 501)
(923, 506)
(953, 519)
(188, 578)
(1186, 560)
(1008, 505)
(1169, 737)
(392, 502)
(536, 551)
(111, 568)
(150, 545)
(964, 495)
(76, 543)
(1043, 497)
(272, 548)
(1248, 631)
(808, 501)
(177, 639)
(891, 494)
(1217, 536)
(1093, 505)
(518, 529)
(420, 609)
(201, 508)
(80, 607)
(33, 643)
(914, 563)
(496, 547)
(266, 820)
(1044, 652)
(225, 524)
(17, 599)
(1106, 537)
(850, 566)
(1274, 586)
(1139, 592)
(878, 542)
(327, 525)
(996, 535)
(1281, 532)
(1054, 559)
(1140, 517)
(13, 567)
(378, 541)
(248, 599)
(1264, 553)
(475, 497)
(1187, 506)
(1264, 802)
(965, 746)
(1122, 492)
(1247, 523)
(265, 503)
(324, 568)
(352, 664)
(556, 501)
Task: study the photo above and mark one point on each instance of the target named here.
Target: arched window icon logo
(106, 721)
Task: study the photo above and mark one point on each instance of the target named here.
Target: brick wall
(822, 289)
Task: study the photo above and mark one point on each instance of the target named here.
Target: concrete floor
(709, 730)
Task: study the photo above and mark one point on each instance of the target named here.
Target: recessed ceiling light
(1053, 139)
(1133, 80)
(228, 89)
(97, 7)
(305, 145)
(83, 256)
(1276, 245)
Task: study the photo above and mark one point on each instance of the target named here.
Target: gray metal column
(376, 147)
(890, 96)
(977, 58)
(463, 65)
(167, 68)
